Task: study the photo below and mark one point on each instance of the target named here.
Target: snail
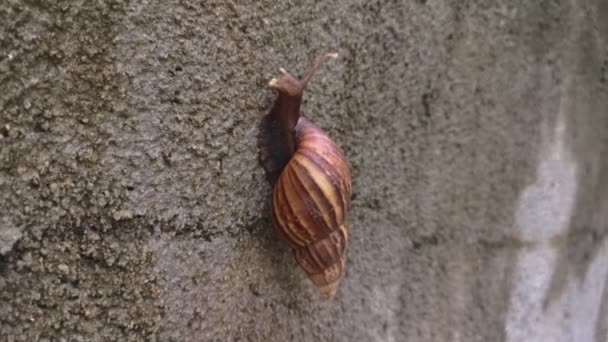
(311, 183)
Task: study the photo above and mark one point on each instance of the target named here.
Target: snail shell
(311, 184)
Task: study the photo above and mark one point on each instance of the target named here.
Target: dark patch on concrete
(81, 281)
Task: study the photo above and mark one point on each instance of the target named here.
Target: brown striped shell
(311, 184)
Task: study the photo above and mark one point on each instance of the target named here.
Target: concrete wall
(133, 207)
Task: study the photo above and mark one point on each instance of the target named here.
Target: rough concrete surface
(133, 208)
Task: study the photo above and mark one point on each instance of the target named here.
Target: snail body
(311, 184)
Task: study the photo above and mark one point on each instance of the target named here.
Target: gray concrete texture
(133, 207)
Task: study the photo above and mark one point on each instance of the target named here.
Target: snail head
(290, 85)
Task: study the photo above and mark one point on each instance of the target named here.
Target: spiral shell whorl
(310, 201)
(327, 255)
